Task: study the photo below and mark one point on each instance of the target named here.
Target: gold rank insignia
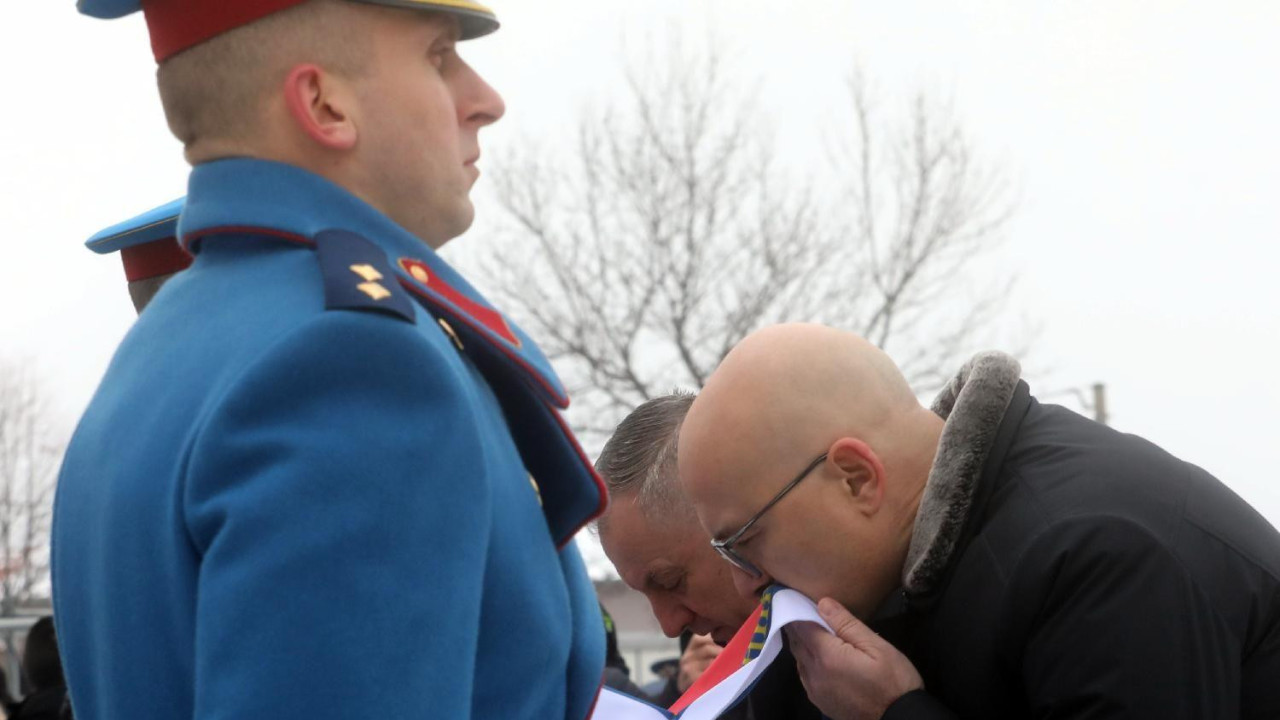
(374, 290)
(370, 286)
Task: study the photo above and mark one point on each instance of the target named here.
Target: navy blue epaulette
(357, 276)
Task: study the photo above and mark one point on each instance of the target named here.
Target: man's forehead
(728, 499)
(721, 509)
(722, 520)
(429, 26)
(721, 481)
(722, 464)
(707, 469)
(443, 23)
(628, 529)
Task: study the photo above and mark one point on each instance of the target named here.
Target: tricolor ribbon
(732, 675)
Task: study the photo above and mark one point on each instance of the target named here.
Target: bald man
(1018, 560)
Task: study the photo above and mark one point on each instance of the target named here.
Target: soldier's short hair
(217, 89)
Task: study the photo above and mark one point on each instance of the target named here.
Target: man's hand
(697, 657)
(854, 674)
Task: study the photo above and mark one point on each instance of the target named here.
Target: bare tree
(31, 450)
(642, 256)
(919, 209)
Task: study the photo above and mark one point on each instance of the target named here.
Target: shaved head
(781, 398)
(791, 389)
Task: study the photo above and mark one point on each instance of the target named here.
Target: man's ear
(861, 471)
(322, 106)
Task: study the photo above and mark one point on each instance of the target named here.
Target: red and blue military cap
(176, 25)
(148, 244)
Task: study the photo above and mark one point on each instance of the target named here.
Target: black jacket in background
(46, 704)
(1096, 576)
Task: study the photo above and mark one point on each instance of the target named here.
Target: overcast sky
(1142, 136)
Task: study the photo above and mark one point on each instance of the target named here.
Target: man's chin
(450, 227)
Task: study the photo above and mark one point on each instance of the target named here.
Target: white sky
(1143, 136)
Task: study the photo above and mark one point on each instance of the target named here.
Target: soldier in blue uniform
(323, 477)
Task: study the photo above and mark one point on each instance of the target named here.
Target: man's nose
(672, 616)
(748, 585)
(480, 104)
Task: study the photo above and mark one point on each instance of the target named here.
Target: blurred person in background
(42, 666)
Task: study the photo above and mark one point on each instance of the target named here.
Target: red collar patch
(487, 316)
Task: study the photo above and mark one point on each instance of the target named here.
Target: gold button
(419, 274)
(536, 490)
(448, 330)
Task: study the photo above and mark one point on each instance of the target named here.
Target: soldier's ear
(322, 105)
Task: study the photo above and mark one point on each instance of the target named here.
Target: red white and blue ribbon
(733, 673)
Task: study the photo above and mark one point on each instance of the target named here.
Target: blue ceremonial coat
(322, 478)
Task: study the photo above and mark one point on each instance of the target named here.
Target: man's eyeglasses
(725, 547)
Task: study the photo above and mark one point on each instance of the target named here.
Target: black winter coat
(1092, 575)
(45, 704)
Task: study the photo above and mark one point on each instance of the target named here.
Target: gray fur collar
(973, 405)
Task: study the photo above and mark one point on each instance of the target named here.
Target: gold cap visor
(476, 19)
